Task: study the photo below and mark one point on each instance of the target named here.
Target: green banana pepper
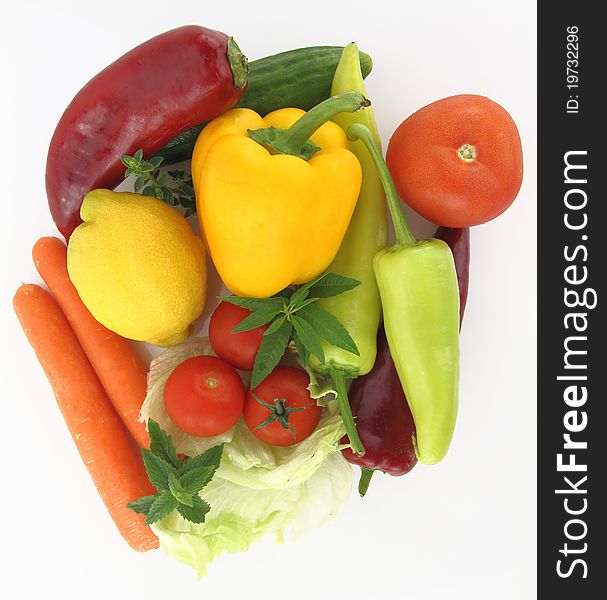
(419, 293)
(359, 309)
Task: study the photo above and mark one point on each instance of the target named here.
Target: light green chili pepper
(420, 299)
(359, 309)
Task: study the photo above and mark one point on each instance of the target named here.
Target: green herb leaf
(151, 182)
(286, 293)
(304, 355)
(177, 480)
(157, 469)
(209, 458)
(198, 471)
(143, 505)
(179, 492)
(252, 303)
(332, 284)
(139, 183)
(306, 286)
(259, 317)
(166, 194)
(162, 445)
(308, 337)
(197, 512)
(328, 327)
(275, 325)
(271, 350)
(155, 161)
(195, 480)
(162, 507)
(299, 295)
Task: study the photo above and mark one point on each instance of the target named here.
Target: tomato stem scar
(211, 382)
(467, 152)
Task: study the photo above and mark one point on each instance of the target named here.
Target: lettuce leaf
(241, 515)
(259, 490)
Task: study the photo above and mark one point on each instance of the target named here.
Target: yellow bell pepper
(275, 195)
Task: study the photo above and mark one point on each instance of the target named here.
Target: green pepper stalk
(359, 309)
(418, 287)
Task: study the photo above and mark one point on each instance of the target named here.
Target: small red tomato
(239, 349)
(458, 162)
(204, 396)
(279, 410)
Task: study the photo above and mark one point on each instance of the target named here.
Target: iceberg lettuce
(259, 490)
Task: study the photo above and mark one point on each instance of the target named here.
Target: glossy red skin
(289, 383)
(239, 349)
(166, 85)
(431, 177)
(383, 419)
(204, 396)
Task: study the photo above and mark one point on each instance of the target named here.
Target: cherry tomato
(458, 162)
(239, 349)
(204, 396)
(283, 402)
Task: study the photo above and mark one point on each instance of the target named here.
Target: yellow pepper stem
(404, 235)
(296, 139)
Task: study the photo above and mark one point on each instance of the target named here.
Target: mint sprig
(177, 480)
(173, 187)
(294, 315)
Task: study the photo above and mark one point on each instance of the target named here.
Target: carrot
(104, 444)
(119, 369)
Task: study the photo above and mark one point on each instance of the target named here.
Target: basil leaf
(328, 327)
(271, 350)
(308, 337)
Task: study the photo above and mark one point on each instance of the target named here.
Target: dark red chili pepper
(383, 418)
(459, 242)
(145, 98)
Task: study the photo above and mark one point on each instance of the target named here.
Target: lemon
(138, 267)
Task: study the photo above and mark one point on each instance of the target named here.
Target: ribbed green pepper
(420, 299)
(359, 309)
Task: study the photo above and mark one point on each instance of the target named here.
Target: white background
(464, 529)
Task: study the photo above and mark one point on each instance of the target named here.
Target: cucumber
(297, 78)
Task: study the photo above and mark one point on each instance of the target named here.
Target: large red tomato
(458, 162)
